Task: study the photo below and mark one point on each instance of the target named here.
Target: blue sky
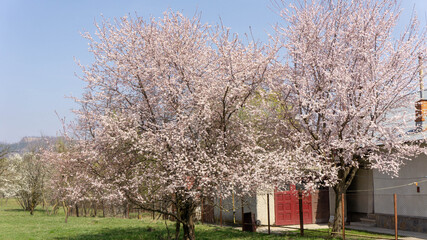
(40, 39)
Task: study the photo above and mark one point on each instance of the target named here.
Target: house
(370, 201)
(370, 198)
(283, 207)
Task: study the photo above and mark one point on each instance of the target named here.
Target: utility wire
(393, 178)
(386, 188)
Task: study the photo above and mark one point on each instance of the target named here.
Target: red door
(287, 207)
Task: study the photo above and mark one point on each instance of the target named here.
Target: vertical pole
(243, 224)
(268, 212)
(395, 217)
(343, 216)
(234, 209)
(301, 214)
(201, 210)
(220, 211)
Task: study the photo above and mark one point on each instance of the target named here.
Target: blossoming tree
(24, 179)
(159, 122)
(345, 90)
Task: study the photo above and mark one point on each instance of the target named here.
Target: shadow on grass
(162, 234)
(120, 233)
(14, 210)
(22, 210)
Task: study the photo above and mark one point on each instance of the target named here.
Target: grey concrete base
(407, 235)
(413, 224)
(363, 224)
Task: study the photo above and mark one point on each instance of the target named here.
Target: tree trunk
(103, 209)
(71, 210)
(337, 224)
(55, 208)
(67, 214)
(177, 230)
(84, 209)
(125, 210)
(177, 213)
(77, 210)
(189, 230)
(345, 176)
(95, 209)
(187, 216)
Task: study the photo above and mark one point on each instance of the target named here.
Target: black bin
(249, 222)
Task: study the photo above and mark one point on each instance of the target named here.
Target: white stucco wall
(256, 204)
(261, 208)
(409, 202)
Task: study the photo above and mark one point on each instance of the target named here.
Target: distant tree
(4, 150)
(25, 180)
(346, 89)
(70, 182)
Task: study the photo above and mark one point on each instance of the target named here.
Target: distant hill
(29, 144)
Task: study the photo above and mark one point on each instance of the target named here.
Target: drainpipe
(420, 62)
(420, 105)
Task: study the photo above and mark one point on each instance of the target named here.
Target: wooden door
(287, 207)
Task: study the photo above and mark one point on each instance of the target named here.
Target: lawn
(18, 224)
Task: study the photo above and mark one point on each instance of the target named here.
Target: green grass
(18, 224)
